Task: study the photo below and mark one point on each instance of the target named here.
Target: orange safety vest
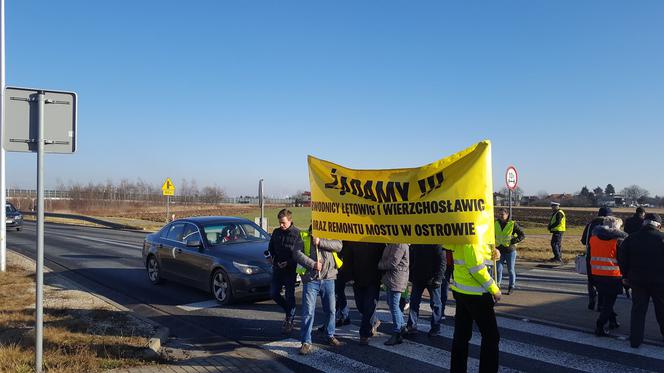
(603, 256)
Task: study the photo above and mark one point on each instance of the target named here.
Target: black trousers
(557, 245)
(641, 294)
(608, 289)
(478, 308)
(366, 299)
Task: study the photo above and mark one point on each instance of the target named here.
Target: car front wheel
(154, 270)
(221, 287)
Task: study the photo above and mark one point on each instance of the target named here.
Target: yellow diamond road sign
(168, 189)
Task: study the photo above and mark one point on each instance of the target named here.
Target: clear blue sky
(571, 92)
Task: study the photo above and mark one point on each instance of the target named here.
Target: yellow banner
(449, 201)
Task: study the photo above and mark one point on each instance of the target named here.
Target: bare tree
(633, 192)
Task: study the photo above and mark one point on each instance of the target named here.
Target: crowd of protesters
(404, 272)
(617, 261)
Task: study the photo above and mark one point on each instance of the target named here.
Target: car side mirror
(194, 243)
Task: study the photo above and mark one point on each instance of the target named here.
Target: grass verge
(81, 333)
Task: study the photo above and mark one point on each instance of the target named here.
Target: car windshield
(9, 208)
(235, 232)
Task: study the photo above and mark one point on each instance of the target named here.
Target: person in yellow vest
(557, 228)
(475, 293)
(318, 270)
(604, 243)
(508, 234)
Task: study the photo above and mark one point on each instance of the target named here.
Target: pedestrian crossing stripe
(320, 359)
(540, 356)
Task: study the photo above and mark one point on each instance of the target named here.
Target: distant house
(528, 200)
(303, 199)
(560, 197)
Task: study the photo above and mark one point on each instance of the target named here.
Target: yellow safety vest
(560, 227)
(504, 235)
(306, 239)
(471, 275)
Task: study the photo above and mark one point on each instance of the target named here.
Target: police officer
(475, 293)
(641, 260)
(557, 228)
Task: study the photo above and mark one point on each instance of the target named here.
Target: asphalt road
(109, 262)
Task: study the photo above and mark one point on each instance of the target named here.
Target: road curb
(155, 343)
(159, 337)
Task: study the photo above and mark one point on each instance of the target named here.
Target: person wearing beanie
(634, 223)
(603, 212)
(641, 261)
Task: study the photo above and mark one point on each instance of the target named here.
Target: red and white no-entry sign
(511, 178)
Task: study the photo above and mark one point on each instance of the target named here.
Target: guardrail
(104, 223)
(133, 197)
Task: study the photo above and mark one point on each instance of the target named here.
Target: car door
(168, 246)
(194, 262)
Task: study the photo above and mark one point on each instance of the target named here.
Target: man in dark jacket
(633, 223)
(361, 266)
(585, 240)
(641, 260)
(427, 271)
(283, 240)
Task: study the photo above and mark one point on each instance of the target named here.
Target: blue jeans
(310, 293)
(434, 301)
(366, 298)
(287, 280)
(343, 312)
(393, 298)
(508, 259)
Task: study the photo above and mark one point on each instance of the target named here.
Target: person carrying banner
(475, 293)
(557, 228)
(316, 255)
(395, 264)
(508, 234)
(427, 271)
(281, 245)
(361, 266)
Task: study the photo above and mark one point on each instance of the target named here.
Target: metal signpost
(3, 190)
(168, 190)
(39, 121)
(262, 204)
(511, 180)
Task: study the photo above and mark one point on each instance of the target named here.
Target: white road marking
(110, 242)
(320, 359)
(420, 352)
(199, 305)
(551, 356)
(653, 352)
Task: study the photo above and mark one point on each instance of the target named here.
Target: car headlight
(247, 269)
